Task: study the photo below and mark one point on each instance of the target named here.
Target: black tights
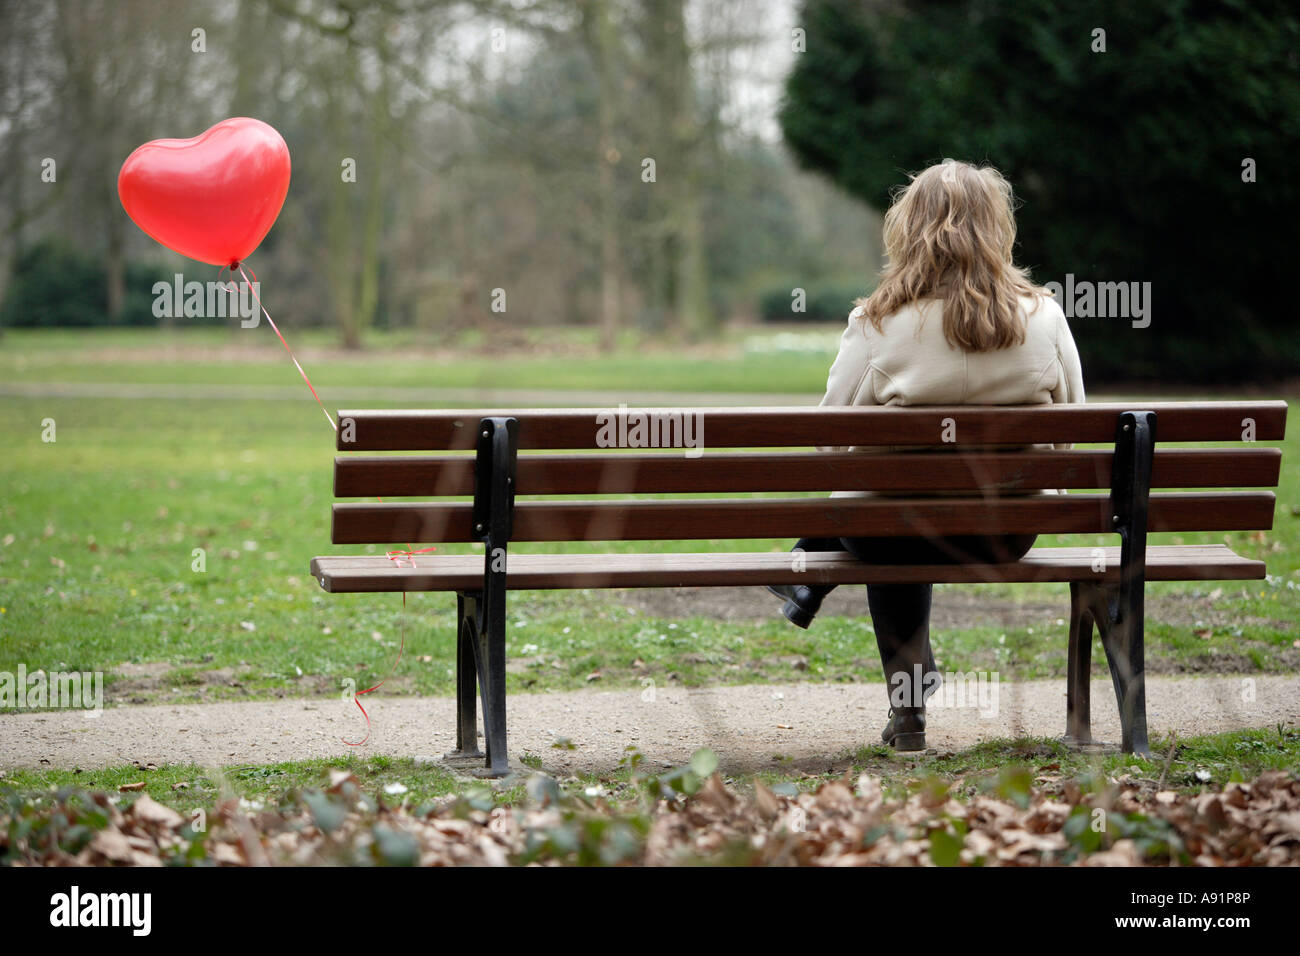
(901, 612)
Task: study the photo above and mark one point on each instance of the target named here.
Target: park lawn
(99, 531)
(558, 360)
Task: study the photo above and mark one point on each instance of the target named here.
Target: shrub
(56, 285)
(823, 302)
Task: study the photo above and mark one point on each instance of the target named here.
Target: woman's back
(909, 361)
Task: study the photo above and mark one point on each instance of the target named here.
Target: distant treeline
(56, 285)
(457, 166)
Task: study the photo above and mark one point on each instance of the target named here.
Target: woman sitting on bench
(953, 322)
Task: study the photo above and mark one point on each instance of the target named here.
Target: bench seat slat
(696, 519)
(621, 473)
(370, 573)
(806, 426)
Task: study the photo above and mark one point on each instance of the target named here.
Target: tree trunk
(679, 131)
(601, 39)
(115, 265)
(340, 229)
(372, 226)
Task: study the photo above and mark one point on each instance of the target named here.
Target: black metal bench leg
(1116, 608)
(490, 653)
(1123, 641)
(1122, 632)
(1100, 604)
(494, 496)
(1078, 703)
(467, 750)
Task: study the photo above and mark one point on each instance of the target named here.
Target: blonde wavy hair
(949, 234)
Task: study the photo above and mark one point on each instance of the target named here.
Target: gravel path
(749, 727)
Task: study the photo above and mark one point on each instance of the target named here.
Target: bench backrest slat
(734, 472)
(697, 519)
(805, 426)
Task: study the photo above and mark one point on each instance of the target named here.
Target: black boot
(901, 615)
(906, 729)
(801, 603)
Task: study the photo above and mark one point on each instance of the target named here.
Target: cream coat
(909, 362)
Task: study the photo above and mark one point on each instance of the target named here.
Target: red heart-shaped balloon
(212, 198)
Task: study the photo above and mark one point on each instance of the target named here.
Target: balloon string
(252, 287)
(392, 555)
(395, 557)
(356, 698)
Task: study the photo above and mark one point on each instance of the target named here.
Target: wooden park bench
(984, 464)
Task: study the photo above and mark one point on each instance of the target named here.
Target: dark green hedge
(56, 285)
(823, 302)
(1128, 162)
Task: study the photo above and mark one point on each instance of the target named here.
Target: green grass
(98, 532)
(1204, 762)
(31, 357)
